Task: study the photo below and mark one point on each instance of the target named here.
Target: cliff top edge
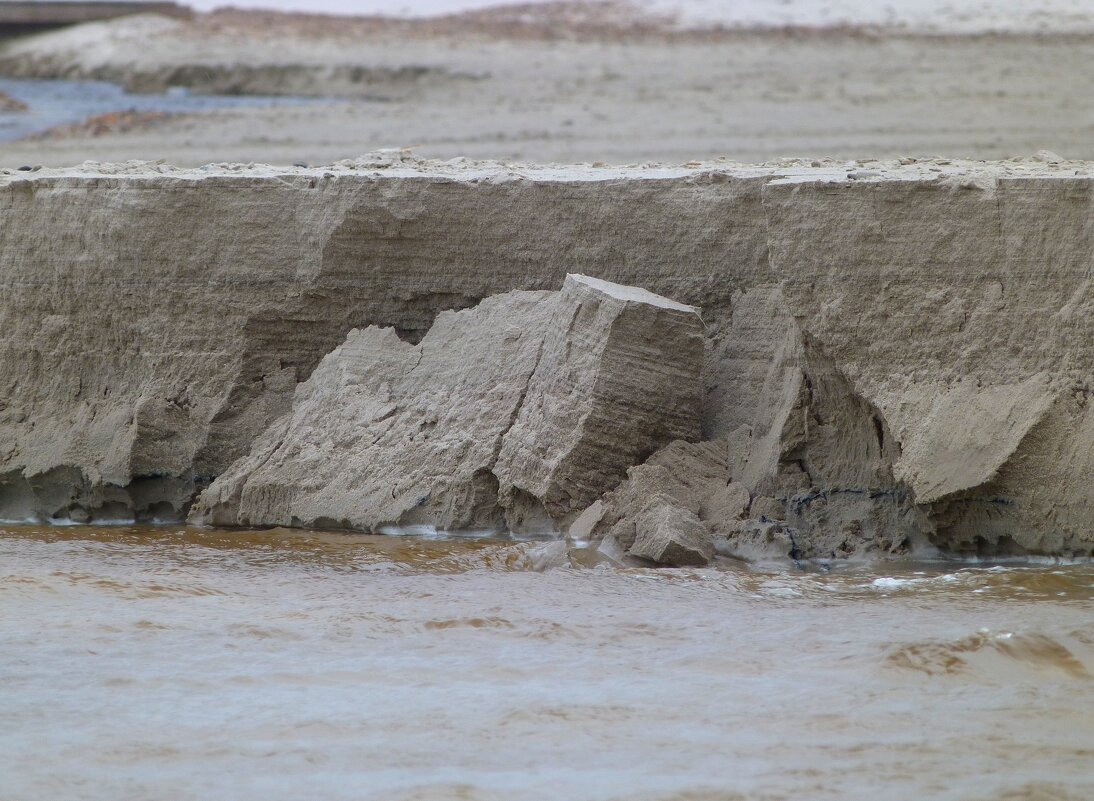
(403, 164)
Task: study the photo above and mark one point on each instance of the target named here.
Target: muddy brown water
(180, 663)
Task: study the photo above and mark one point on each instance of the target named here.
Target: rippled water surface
(201, 664)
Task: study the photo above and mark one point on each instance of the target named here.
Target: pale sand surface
(588, 92)
(648, 80)
(943, 16)
(932, 15)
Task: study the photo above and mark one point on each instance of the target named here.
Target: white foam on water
(425, 532)
(892, 583)
(62, 521)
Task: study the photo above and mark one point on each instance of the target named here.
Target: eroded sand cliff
(894, 353)
(516, 414)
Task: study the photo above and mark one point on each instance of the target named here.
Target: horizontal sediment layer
(919, 332)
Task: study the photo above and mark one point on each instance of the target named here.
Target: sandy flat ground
(947, 16)
(603, 88)
(939, 16)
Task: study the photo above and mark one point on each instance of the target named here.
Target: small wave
(1019, 582)
(422, 532)
(468, 622)
(67, 521)
(896, 583)
(990, 653)
(893, 583)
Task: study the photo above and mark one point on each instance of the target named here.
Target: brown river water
(174, 663)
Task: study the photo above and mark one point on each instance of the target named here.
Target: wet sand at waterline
(196, 663)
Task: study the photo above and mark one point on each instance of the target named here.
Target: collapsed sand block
(669, 535)
(822, 474)
(559, 391)
(385, 432)
(619, 377)
(689, 478)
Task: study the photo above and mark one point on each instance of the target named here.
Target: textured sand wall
(154, 321)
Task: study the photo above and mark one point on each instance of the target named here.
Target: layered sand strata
(891, 350)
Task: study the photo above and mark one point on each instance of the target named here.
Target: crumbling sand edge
(403, 163)
(164, 317)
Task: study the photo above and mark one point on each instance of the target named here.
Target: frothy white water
(428, 532)
(141, 662)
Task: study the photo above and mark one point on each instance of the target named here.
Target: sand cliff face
(513, 415)
(899, 343)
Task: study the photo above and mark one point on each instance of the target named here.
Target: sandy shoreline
(524, 86)
(452, 411)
